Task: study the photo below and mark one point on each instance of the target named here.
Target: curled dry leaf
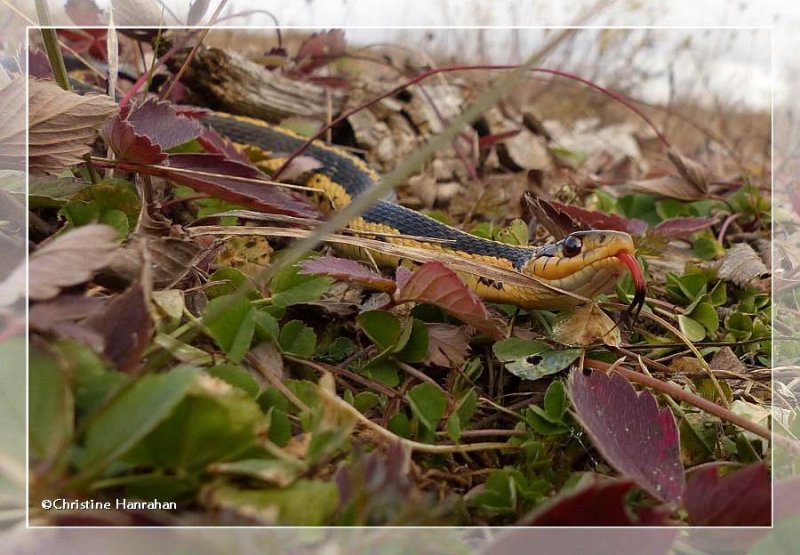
(70, 259)
(691, 182)
(630, 431)
(741, 264)
(61, 125)
(585, 325)
(171, 259)
(125, 326)
(691, 171)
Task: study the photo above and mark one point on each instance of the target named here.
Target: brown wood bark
(229, 82)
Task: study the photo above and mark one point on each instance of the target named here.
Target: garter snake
(585, 263)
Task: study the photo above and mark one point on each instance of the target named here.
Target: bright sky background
(729, 66)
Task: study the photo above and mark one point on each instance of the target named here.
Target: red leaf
(214, 143)
(142, 134)
(435, 283)
(346, 270)
(630, 431)
(677, 228)
(320, 49)
(91, 41)
(160, 122)
(600, 220)
(258, 196)
(599, 503)
(120, 136)
(741, 498)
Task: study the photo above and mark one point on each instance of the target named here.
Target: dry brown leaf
(12, 125)
(62, 125)
(691, 171)
(726, 359)
(70, 259)
(447, 345)
(741, 264)
(670, 186)
(125, 326)
(171, 258)
(586, 325)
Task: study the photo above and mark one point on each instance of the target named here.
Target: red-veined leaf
(630, 431)
(435, 283)
(741, 498)
(346, 270)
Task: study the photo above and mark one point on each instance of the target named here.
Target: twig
(413, 445)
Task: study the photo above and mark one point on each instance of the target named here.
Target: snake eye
(572, 246)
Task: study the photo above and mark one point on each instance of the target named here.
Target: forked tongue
(638, 282)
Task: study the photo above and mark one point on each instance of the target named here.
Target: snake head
(589, 263)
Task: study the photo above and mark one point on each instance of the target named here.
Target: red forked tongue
(638, 281)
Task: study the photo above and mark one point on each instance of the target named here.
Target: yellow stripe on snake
(585, 263)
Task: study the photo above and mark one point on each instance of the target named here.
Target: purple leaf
(214, 143)
(435, 283)
(741, 498)
(636, 437)
(677, 228)
(598, 503)
(160, 122)
(258, 196)
(347, 270)
(142, 134)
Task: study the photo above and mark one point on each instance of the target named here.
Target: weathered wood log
(229, 82)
